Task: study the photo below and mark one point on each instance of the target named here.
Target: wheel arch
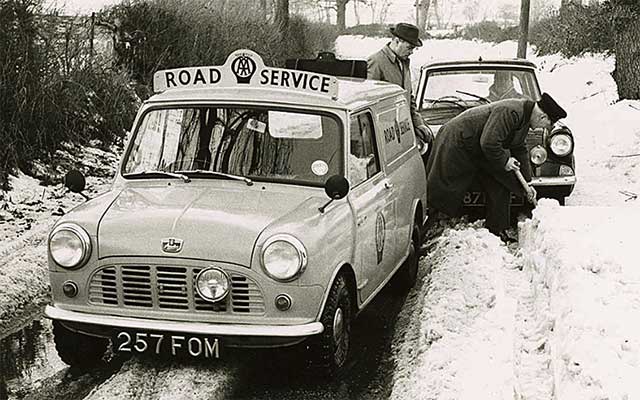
(347, 271)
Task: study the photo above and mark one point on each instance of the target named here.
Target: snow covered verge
(583, 265)
(27, 212)
(559, 317)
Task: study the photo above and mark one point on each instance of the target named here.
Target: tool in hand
(525, 185)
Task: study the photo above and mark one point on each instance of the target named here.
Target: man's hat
(551, 108)
(408, 33)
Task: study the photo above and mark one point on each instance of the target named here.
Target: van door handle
(388, 185)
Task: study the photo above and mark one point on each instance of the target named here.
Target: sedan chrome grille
(162, 287)
(534, 139)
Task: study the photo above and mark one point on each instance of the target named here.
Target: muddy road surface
(31, 369)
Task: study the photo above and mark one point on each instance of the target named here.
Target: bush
(53, 90)
(575, 30)
(371, 30)
(490, 31)
(180, 33)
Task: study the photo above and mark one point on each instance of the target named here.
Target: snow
(556, 316)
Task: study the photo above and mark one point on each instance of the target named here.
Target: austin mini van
(253, 207)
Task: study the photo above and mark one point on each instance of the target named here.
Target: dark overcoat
(384, 65)
(479, 141)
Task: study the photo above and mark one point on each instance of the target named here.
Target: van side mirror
(75, 182)
(336, 187)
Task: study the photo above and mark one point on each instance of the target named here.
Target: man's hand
(512, 165)
(531, 194)
(424, 133)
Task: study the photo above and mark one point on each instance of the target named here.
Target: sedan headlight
(538, 155)
(283, 257)
(69, 245)
(561, 144)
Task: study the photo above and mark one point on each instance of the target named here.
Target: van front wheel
(78, 350)
(331, 347)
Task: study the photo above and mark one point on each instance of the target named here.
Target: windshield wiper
(184, 178)
(475, 95)
(244, 179)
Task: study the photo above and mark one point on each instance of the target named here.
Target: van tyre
(407, 275)
(331, 348)
(77, 350)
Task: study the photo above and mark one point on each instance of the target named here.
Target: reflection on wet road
(30, 367)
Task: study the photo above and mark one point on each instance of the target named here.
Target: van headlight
(561, 144)
(69, 245)
(283, 257)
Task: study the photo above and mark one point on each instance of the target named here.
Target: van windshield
(258, 143)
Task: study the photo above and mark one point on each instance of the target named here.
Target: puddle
(27, 358)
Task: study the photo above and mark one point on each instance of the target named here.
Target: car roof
(480, 62)
(352, 93)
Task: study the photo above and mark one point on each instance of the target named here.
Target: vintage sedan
(446, 89)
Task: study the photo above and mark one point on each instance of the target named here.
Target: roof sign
(245, 68)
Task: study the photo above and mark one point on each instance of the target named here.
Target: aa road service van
(253, 207)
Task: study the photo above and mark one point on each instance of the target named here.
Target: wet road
(30, 367)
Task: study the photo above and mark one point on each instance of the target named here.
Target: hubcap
(338, 325)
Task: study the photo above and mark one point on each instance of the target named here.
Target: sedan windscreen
(463, 88)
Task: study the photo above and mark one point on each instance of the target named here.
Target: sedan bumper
(553, 180)
(236, 330)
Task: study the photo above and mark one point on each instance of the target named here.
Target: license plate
(176, 345)
(472, 199)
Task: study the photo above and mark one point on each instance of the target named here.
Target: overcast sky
(401, 9)
(81, 6)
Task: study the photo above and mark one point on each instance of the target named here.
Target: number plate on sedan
(478, 199)
(176, 345)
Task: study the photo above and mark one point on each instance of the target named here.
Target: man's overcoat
(478, 141)
(384, 65)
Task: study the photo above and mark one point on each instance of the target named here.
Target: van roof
(245, 79)
(352, 93)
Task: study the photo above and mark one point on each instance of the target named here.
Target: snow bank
(466, 320)
(584, 263)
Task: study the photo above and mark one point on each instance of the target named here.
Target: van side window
(364, 160)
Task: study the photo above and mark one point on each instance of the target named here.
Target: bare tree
(422, 13)
(356, 12)
(627, 47)
(471, 10)
(379, 10)
(281, 18)
(341, 13)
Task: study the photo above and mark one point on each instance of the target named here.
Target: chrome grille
(170, 288)
(533, 139)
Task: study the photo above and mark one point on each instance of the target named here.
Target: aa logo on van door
(380, 236)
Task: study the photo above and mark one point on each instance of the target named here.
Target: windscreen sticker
(256, 125)
(320, 168)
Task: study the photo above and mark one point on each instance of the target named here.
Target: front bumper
(553, 180)
(232, 330)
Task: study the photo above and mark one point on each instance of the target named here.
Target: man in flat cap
(391, 64)
(486, 143)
